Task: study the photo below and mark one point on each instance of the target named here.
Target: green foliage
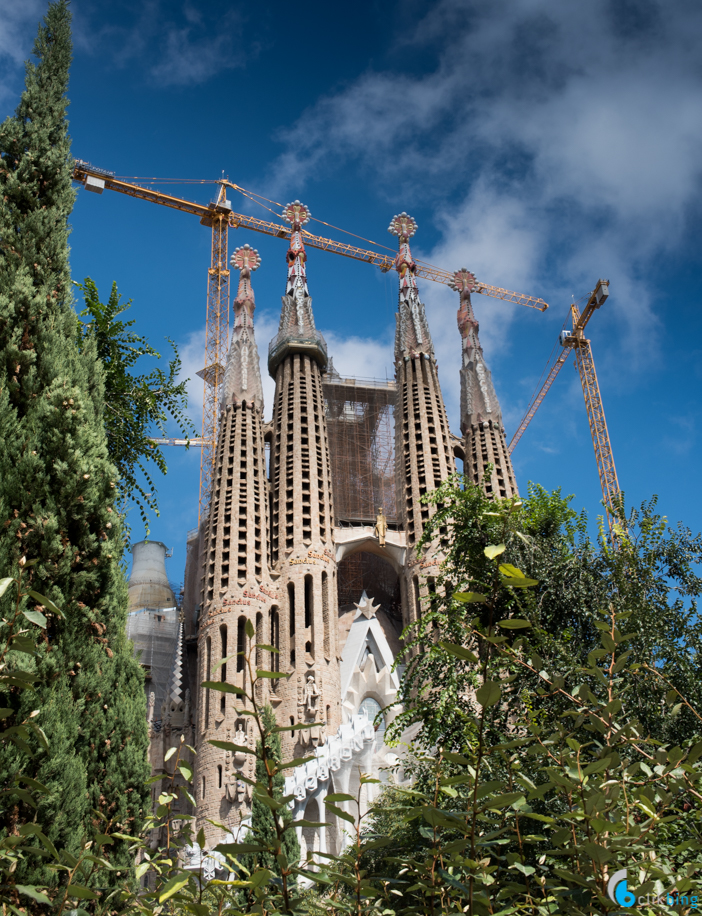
(262, 815)
(135, 404)
(57, 500)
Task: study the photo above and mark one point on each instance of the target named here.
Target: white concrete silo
(148, 582)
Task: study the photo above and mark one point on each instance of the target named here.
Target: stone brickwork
(267, 553)
(423, 452)
(237, 583)
(302, 544)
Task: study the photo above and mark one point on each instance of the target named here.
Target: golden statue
(381, 527)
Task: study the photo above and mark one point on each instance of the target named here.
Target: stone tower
(481, 417)
(302, 545)
(423, 453)
(237, 585)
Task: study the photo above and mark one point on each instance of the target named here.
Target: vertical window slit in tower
(325, 615)
(291, 608)
(259, 640)
(275, 642)
(219, 775)
(309, 611)
(208, 675)
(292, 726)
(417, 605)
(240, 643)
(223, 643)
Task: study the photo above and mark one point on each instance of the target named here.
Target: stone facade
(481, 416)
(267, 557)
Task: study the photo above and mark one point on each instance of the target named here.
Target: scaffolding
(154, 633)
(370, 573)
(361, 426)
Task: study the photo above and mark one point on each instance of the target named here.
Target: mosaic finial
(245, 258)
(403, 226)
(463, 282)
(296, 214)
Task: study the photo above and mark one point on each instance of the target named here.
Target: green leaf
(249, 627)
(508, 570)
(47, 602)
(469, 597)
(36, 617)
(82, 893)
(259, 877)
(4, 585)
(488, 694)
(23, 644)
(173, 886)
(186, 793)
(504, 800)
(228, 746)
(34, 784)
(239, 849)
(266, 648)
(224, 687)
(338, 797)
(459, 651)
(514, 623)
(296, 762)
(520, 583)
(27, 889)
(169, 753)
(224, 661)
(344, 815)
(186, 770)
(494, 551)
(274, 675)
(292, 728)
(5, 712)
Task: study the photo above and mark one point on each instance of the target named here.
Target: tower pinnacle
(242, 376)
(412, 337)
(298, 216)
(297, 332)
(481, 416)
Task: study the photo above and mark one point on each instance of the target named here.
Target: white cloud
(180, 45)
(18, 27)
(554, 143)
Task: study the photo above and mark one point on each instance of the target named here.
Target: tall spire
(298, 216)
(297, 332)
(481, 416)
(412, 337)
(478, 399)
(242, 376)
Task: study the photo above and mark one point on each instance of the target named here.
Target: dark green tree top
(58, 494)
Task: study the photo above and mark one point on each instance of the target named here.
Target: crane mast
(575, 340)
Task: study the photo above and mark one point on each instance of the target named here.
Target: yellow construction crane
(220, 217)
(576, 341)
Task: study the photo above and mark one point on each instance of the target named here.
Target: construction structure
(219, 216)
(575, 341)
(317, 554)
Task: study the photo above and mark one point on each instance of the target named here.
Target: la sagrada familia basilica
(312, 539)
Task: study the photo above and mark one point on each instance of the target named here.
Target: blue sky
(541, 144)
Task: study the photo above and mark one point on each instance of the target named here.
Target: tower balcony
(311, 343)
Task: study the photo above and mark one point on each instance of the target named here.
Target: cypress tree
(58, 493)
